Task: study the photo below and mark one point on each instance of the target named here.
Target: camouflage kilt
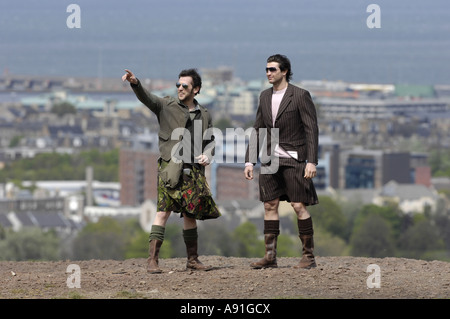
(191, 197)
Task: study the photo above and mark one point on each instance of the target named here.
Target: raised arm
(151, 101)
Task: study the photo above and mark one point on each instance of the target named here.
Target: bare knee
(161, 218)
(300, 210)
(189, 223)
(271, 209)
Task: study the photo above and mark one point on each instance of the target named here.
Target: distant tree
(246, 237)
(55, 166)
(173, 245)
(216, 240)
(439, 161)
(372, 238)
(327, 244)
(105, 239)
(328, 215)
(223, 124)
(420, 239)
(105, 245)
(63, 108)
(287, 246)
(389, 213)
(441, 219)
(29, 244)
(2, 233)
(15, 141)
(138, 246)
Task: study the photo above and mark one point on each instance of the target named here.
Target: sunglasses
(184, 85)
(271, 69)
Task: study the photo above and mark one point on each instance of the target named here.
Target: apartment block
(138, 176)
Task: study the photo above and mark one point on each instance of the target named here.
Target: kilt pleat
(191, 197)
(288, 184)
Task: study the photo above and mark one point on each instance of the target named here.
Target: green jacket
(173, 114)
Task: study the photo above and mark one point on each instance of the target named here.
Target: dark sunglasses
(184, 85)
(271, 69)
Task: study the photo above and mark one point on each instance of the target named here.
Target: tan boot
(270, 258)
(192, 256)
(153, 253)
(308, 261)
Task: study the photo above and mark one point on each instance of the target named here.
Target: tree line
(341, 229)
(56, 166)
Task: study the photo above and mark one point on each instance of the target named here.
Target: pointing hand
(129, 76)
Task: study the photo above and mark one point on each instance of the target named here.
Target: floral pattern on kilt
(192, 196)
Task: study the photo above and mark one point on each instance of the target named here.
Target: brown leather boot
(308, 261)
(192, 256)
(270, 258)
(153, 253)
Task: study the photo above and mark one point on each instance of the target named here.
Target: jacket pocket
(165, 136)
(171, 173)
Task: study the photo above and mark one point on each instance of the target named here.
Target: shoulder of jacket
(298, 89)
(267, 91)
(169, 98)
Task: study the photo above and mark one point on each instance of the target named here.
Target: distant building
(217, 76)
(46, 214)
(138, 176)
(374, 168)
(329, 162)
(337, 108)
(411, 198)
(230, 184)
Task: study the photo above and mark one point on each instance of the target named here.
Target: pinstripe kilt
(288, 184)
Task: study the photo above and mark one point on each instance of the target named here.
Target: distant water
(325, 39)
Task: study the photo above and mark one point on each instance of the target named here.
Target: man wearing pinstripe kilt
(288, 111)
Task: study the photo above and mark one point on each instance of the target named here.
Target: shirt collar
(196, 108)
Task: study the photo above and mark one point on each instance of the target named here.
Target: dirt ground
(231, 278)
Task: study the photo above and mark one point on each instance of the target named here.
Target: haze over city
(326, 40)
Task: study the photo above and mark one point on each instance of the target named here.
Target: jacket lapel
(266, 101)
(285, 101)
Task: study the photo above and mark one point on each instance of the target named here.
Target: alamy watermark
(374, 19)
(214, 138)
(74, 19)
(74, 279)
(374, 279)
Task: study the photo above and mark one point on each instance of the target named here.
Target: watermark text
(74, 19)
(374, 279)
(374, 19)
(74, 279)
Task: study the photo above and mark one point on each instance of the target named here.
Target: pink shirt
(277, 96)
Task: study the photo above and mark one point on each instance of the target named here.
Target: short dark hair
(196, 79)
(284, 63)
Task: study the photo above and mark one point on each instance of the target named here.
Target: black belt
(189, 165)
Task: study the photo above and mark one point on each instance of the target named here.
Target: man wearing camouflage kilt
(182, 186)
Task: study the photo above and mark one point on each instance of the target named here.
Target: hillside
(232, 278)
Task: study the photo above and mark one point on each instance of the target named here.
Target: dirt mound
(231, 278)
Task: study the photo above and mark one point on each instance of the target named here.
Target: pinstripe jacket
(296, 122)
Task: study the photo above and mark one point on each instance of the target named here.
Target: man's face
(274, 74)
(185, 90)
